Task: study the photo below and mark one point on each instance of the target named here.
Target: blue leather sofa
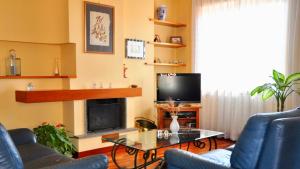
(19, 150)
(268, 141)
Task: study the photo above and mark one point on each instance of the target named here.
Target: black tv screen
(181, 87)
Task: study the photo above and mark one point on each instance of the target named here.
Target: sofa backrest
(281, 148)
(248, 147)
(9, 155)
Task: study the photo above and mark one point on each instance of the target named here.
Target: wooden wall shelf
(165, 64)
(42, 43)
(167, 23)
(38, 77)
(39, 96)
(167, 45)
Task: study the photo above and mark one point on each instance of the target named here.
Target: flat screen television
(181, 87)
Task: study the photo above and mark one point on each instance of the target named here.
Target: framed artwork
(135, 49)
(176, 39)
(99, 28)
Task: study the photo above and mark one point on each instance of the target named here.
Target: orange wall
(31, 21)
(36, 21)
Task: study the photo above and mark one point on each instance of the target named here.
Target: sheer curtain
(237, 44)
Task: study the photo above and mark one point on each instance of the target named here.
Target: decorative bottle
(11, 63)
(56, 69)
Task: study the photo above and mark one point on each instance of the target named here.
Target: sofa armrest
(91, 162)
(180, 159)
(22, 136)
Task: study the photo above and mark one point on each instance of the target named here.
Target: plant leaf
(278, 77)
(275, 76)
(268, 93)
(292, 77)
(256, 90)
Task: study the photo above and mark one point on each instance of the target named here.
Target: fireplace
(106, 114)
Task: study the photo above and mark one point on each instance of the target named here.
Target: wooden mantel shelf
(39, 96)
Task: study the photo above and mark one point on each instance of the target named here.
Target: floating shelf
(37, 77)
(167, 23)
(42, 43)
(38, 96)
(167, 45)
(191, 118)
(165, 64)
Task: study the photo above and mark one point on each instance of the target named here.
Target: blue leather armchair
(268, 141)
(19, 150)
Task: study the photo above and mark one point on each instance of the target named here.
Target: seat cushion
(37, 156)
(49, 160)
(31, 152)
(219, 156)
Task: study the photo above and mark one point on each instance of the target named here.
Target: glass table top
(150, 140)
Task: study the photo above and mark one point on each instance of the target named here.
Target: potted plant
(55, 137)
(280, 88)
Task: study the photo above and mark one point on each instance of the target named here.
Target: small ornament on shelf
(157, 60)
(56, 69)
(156, 38)
(30, 87)
(124, 71)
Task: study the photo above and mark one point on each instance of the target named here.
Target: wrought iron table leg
(199, 144)
(188, 146)
(145, 157)
(210, 143)
(135, 158)
(215, 142)
(209, 140)
(152, 154)
(113, 154)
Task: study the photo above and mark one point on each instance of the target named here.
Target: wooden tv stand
(188, 116)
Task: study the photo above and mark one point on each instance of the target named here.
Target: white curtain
(237, 44)
(293, 46)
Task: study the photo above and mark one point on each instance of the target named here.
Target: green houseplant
(280, 88)
(55, 137)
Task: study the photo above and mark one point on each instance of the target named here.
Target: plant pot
(174, 126)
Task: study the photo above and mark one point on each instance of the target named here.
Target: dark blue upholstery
(255, 149)
(282, 146)
(19, 150)
(22, 136)
(181, 159)
(248, 147)
(9, 156)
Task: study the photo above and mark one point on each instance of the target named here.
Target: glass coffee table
(149, 142)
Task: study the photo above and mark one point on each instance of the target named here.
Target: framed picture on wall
(135, 49)
(99, 28)
(176, 39)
